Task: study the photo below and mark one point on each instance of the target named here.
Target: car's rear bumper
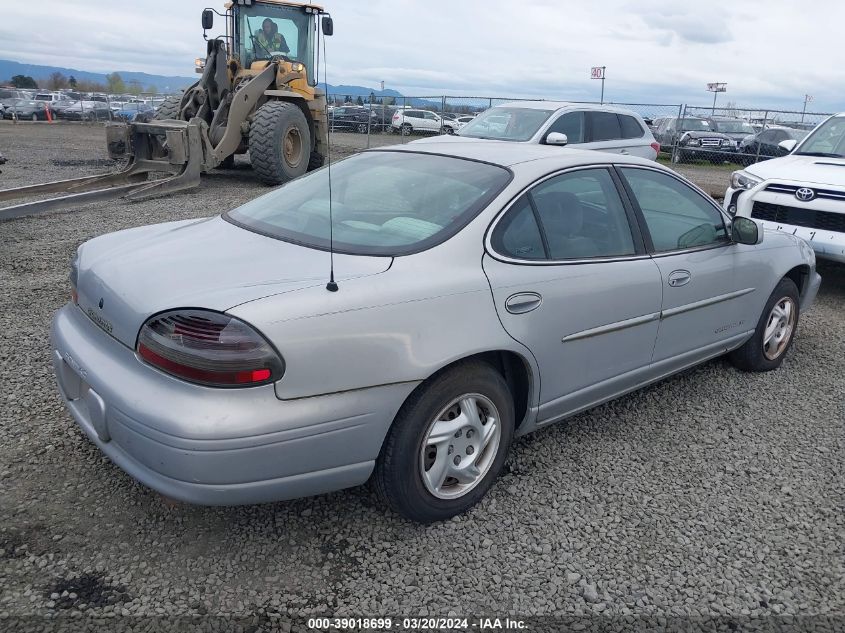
(215, 446)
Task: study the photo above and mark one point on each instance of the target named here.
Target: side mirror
(556, 138)
(788, 145)
(207, 19)
(746, 231)
(328, 25)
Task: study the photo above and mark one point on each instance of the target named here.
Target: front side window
(677, 216)
(826, 140)
(506, 123)
(576, 215)
(571, 124)
(382, 203)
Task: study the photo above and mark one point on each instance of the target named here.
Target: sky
(769, 52)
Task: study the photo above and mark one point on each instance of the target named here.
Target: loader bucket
(175, 148)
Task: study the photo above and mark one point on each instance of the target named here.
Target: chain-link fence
(739, 136)
(687, 134)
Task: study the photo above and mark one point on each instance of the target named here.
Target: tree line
(58, 81)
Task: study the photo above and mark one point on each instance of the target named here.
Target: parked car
(48, 97)
(354, 118)
(604, 128)
(412, 121)
(86, 111)
(735, 129)
(130, 110)
(26, 109)
(485, 290)
(382, 117)
(463, 120)
(9, 96)
(693, 138)
(766, 144)
(56, 107)
(801, 194)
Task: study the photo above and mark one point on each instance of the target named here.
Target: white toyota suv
(599, 127)
(802, 193)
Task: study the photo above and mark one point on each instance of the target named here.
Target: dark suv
(692, 138)
(354, 118)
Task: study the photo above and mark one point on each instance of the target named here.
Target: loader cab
(295, 26)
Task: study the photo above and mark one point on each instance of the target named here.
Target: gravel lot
(714, 493)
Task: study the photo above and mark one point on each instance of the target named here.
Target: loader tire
(279, 142)
(316, 161)
(169, 109)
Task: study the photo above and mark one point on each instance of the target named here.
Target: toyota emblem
(805, 194)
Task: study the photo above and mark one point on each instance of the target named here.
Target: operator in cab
(269, 40)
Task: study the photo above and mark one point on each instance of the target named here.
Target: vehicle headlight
(743, 180)
(726, 142)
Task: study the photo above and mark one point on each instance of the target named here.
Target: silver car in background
(480, 291)
(604, 128)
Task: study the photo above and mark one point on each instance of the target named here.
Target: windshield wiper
(820, 154)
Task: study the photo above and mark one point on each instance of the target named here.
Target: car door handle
(624, 151)
(679, 278)
(523, 302)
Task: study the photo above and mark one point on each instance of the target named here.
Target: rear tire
(406, 468)
(406, 129)
(34, 117)
(775, 331)
(169, 109)
(279, 142)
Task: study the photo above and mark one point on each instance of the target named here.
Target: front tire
(406, 129)
(447, 444)
(169, 109)
(279, 142)
(775, 331)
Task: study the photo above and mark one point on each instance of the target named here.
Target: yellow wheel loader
(257, 93)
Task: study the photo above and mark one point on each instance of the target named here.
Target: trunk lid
(126, 277)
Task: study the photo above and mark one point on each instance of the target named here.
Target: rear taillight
(209, 348)
(656, 146)
(396, 116)
(74, 280)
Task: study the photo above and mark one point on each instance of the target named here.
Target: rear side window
(630, 127)
(605, 126)
(518, 235)
(571, 124)
(576, 215)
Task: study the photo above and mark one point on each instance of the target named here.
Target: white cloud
(654, 50)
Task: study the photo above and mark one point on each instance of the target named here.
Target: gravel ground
(711, 494)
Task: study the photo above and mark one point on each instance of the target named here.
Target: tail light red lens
(209, 348)
(656, 147)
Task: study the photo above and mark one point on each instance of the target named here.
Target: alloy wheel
(779, 328)
(460, 446)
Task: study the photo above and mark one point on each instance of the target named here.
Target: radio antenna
(332, 285)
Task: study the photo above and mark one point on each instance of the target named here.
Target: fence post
(674, 152)
(765, 122)
(491, 103)
(442, 112)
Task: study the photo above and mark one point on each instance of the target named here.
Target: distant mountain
(162, 83)
(9, 68)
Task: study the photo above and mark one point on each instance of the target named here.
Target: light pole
(807, 98)
(716, 88)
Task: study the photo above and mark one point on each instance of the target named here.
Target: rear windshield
(506, 124)
(382, 203)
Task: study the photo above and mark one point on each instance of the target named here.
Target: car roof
(507, 153)
(558, 105)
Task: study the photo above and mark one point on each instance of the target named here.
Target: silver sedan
(408, 317)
